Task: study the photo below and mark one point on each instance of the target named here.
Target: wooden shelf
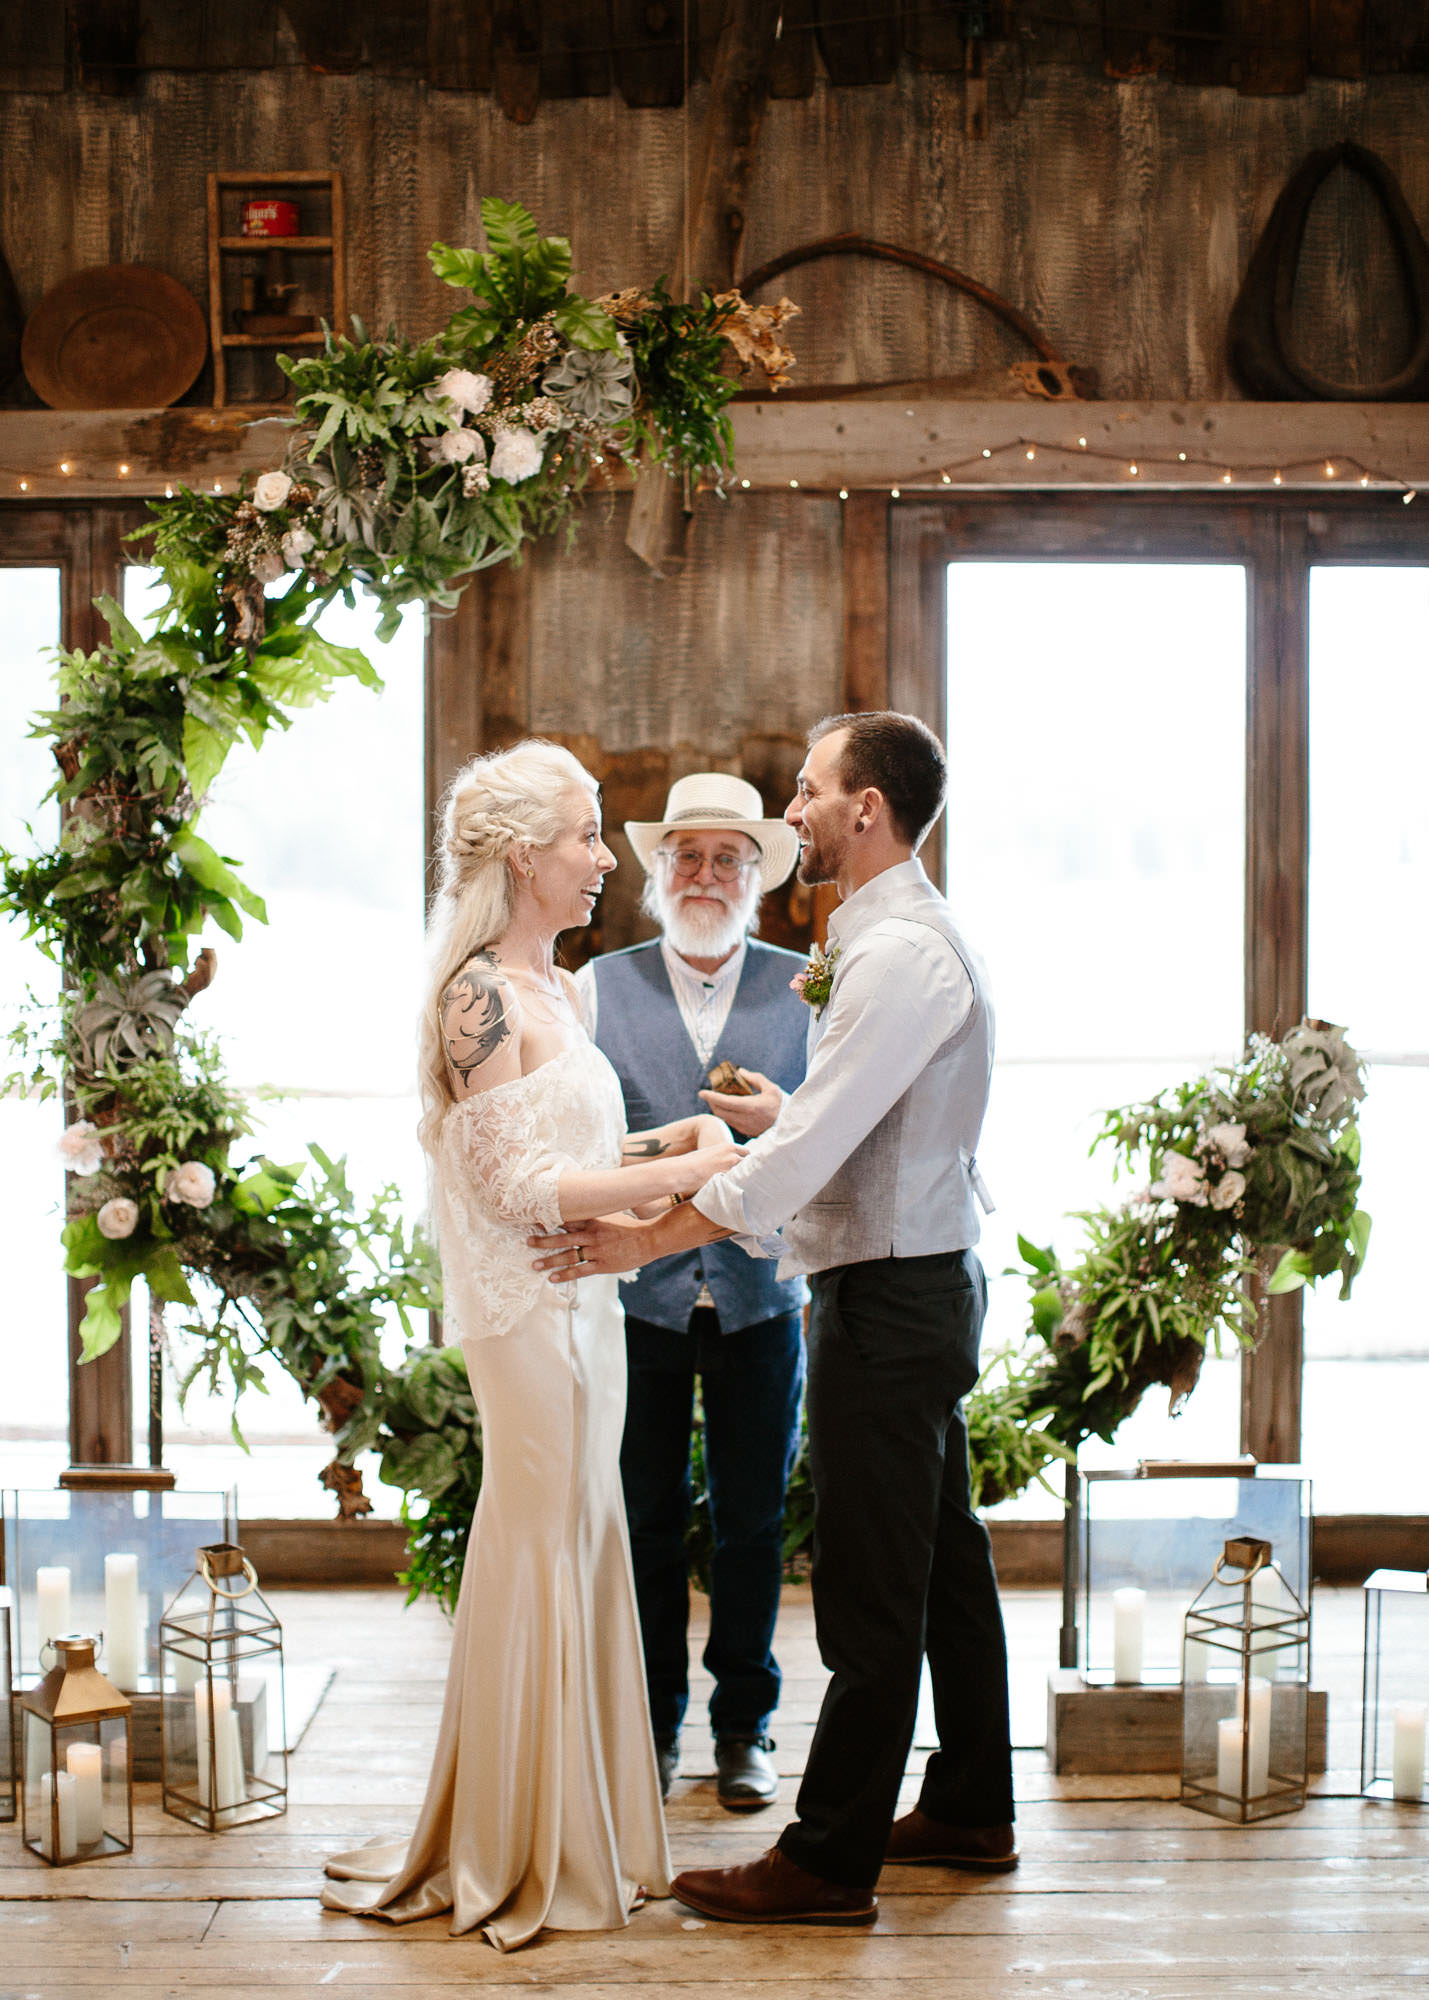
(324, 205)
(270, 340)
(275, 243)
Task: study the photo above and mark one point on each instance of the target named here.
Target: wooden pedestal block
(1104, 1730)
(144, 1729)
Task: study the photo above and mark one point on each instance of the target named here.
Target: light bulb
(123, 472)
(985, 452)
(1225, 479)
(1182, 456)
(1410, 495)
(895, 494)
(168, 492)
(947, 479)
(793, 482)
(65, 465)
(1364, 479)
(218, 485)
(1030, 452)
(843, 493)
(1082, 442)
(1276, 481)
(745, 484)
(1329, 471)
(24, 485)
(1132, 470)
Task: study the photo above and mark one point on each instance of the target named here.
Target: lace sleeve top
(497, 1177)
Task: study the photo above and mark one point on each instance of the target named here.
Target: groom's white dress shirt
(899, 1061)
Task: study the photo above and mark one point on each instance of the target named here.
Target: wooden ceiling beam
(860, 444)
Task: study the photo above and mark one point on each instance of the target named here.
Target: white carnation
(1181, 1180)
(271, 492)
(515, 455)
(193, 1182)
(297, 543)
(81, 1148)
(462, 386)
(456, 447)
(118, 1218)
(1228, 1190)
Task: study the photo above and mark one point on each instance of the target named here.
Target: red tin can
(270, 218)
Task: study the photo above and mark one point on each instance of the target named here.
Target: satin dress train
(543, 1805)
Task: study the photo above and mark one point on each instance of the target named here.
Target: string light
(1364, 479)
(793, 482)
(985, 452)
(123, 472)
(218, 485)
(1329, 471)
(1276, 481)
(1181, 456)
(1132, 470)
(947, 479)
(1225, 479)
(66, 467)
(896, 494)
(24, 485)
(843, 493)
(1410, 495)
(1031, 453)
(168, 492)
(1082, 442)
(745, 484)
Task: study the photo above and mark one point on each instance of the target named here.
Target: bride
(543, 1805)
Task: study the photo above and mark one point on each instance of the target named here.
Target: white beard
(696, 931)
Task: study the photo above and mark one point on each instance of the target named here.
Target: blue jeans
(751, 1381)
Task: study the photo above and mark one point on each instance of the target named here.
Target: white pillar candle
(1409, 1720)
(64, 1792)
(1230, 1744)
(122, 1640)
(227, 1758)
(1128, 1633)
(51, 1607)
(85, 1765)
(1259, 1778)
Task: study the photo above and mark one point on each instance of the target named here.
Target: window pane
(1095, 836)
(326, 823)
(1367, 1372)
(31, 1180)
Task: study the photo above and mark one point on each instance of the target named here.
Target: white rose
(465, 388)
(193, 1182)
(1181, 1180)
(1229, 1141)
(296, 544)
(271, 491)
(268, 566)
(1228, 1190)
(515, 455)
(117, 1218)
(80, 1147)
(455, 447)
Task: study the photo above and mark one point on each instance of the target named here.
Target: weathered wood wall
(1119, 214)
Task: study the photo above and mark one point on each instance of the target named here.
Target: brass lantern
(1396, 1686)
(8, 1761)
(1245, 1688)
(79, 1787)
(221, 1674)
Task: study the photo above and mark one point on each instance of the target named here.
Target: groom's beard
(821, 863)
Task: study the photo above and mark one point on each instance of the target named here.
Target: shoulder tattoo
(474, 1015)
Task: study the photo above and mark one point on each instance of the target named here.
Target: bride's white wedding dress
(543, 1806)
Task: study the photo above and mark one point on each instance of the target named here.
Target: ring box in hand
(731, 1082)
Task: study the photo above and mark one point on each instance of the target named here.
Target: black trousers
(902, 1565)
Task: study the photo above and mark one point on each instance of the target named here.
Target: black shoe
(667, 1760)
(745, 1777)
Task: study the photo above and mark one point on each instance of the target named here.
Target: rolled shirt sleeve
(900, 994)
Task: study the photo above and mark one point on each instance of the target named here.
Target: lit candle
(122, 1641)
(1128, 1633)
(1409, 1719)
(1230, 1746)
(86, 1766)
(64, 1793)
(51, 1606)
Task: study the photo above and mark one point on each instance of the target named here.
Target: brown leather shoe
(916, 1841)
(772, 1890)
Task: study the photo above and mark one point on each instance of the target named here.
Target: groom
(869, 1176)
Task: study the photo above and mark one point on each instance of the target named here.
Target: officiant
(707, 997)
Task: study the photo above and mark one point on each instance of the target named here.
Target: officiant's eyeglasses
(688, 861)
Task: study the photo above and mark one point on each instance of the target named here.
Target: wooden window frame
(1277, 540)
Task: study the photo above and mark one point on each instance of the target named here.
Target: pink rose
(193, 1183)
(118, 1218)
(81, 1147)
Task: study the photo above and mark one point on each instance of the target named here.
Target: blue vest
(638, 1026)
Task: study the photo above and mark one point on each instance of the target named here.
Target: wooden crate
(1104, 1730)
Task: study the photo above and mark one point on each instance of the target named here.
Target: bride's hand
(717, 1157)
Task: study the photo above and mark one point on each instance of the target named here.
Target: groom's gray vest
(852, 1219)
(638, 1026)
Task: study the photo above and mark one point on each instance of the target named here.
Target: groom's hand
(601, 1248)
(749, 1115)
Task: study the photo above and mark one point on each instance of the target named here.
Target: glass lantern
(1149, 1535)
(103, 1560)
(8, 1760)
(79, 1789)
(223, 1726)
(1246, 1676)
(1396, 1686)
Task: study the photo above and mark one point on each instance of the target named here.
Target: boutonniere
(816, 980)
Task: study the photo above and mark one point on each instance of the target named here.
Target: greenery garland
(407, 468)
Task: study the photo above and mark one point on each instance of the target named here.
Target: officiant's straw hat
(714, 802)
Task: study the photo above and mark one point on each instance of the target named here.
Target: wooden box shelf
(320, 247)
